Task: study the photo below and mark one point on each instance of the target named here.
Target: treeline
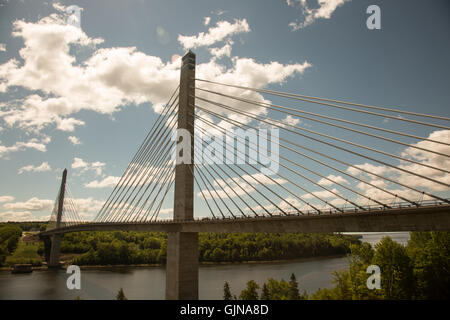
(9, 238)
(109, 248)
(420, 270)
(270, 290)
(27, 226)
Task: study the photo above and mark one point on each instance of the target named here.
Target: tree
(397, 280)
(293, 288)
(251, 292)
(265, 295)
(121, 295)
(429, 253)
(226, 292)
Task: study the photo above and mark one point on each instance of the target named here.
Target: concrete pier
(182, 247)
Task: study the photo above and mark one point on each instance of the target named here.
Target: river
(149, 282)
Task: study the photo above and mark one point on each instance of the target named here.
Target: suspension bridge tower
(56, 239)
(182, 247)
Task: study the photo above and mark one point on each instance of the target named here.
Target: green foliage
(109, 248)
(9, 239)
(294, 293)
(227, 292)
(26, 253)
(121, 295)
(274, 290)
(430, 257)
(421, 270)
(265, 295)
(397, 273)
(251, 292)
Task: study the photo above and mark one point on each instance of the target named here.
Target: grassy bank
(26, 252)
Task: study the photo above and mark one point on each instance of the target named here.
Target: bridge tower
(182, 247)
(56, 239)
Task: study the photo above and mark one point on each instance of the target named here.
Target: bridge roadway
(424, 218)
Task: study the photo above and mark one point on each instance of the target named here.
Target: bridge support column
(182, 247)
(56, 239)
(55, 251)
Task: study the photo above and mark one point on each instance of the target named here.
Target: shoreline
(208, 264)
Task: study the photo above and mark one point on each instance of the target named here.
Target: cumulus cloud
(112, 78)
(16, 216)
(6, 199)
(229, 188)
(87, 208)
(107, 182)
(74, 140)
(407, 179)
(224, 51)
(321, 194)
(2, 47)
(222, 30)
(84, 166)
(335, 179)
(324, 10)
(34, 143)
(107, 80)
(33, 204)
(30, 168)
(79, 163)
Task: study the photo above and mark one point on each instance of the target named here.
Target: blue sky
(105, 118)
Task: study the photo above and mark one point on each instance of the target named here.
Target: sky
(84, 98)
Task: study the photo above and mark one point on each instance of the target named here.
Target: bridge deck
(436, 218)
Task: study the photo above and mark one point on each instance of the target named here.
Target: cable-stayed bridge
(248, 164)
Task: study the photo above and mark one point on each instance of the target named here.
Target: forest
(418, 271)
(131, 248)
(112, 248)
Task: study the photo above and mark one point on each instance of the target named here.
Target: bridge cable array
(235, 187)
(315, 170)
(69, 214)
(141, 190)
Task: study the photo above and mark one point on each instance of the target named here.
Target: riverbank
(228, 263)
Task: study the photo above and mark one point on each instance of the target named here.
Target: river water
(149, 282)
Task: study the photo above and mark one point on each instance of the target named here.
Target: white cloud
(79, 163)
(87, 208)
(6, 199)
(324, 11)
(229, 188)
(290, 120)
(2, 47)
(407, 179)
(206, 21)
(321, 194)
(30, 168)
(112, 78)
(96, 166)
(108, 182)
(74, 140)
(16, 216)
(30, 144)
(221, 52)
(33, 204)
(222, 30)
(336, 179)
